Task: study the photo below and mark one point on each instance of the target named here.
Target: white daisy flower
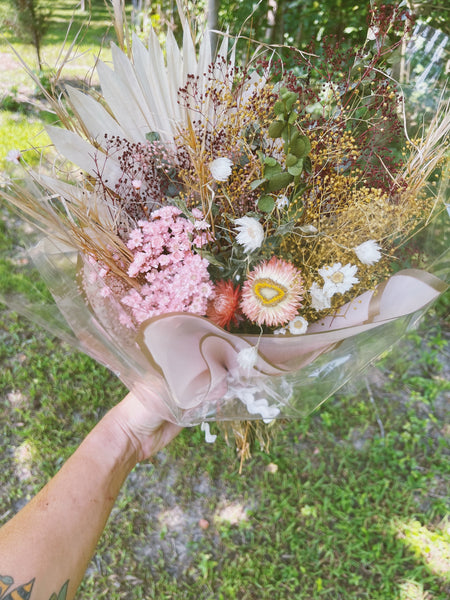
(298, 326)
(319, 298)
(220, 168)
(250, 233)
(368, 252)
(338, 279)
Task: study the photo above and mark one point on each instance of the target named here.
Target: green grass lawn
(350, 503)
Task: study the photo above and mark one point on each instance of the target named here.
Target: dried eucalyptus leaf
(279, 181)
(266, 204)
(256, 183)
(276, 129)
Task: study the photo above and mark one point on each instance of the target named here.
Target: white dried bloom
(250, 233)
(372, 33)
(280, 331)
(298, 326)
(247, 358)
(209, 437)
(282, 202)
(220, 168)
(338, 279)
(327, 93)
(319, 298)
(368, 252)
(14, 156)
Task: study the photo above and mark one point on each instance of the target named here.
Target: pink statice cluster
(174, 278)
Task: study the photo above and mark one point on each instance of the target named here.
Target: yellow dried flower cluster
(232, 122)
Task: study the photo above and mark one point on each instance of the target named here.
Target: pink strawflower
(272, 293)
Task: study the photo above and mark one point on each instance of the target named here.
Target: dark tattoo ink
(23, 592)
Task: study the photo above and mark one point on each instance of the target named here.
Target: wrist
(144, 424)
(112, 444)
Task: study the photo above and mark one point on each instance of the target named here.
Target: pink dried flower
(272, 293)
(178, 279)
(223, 308)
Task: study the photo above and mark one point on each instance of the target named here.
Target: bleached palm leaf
(84, 155)
(122, 102)
(174, 67)
(204, 58)
(143, 96)
(94, 116)
(154, 81)
(189, 57)
(222, 58)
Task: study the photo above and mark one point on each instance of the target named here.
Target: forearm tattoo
(24, 591)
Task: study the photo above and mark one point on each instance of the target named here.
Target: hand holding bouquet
(237, 234)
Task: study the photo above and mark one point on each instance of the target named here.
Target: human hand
(144, 423)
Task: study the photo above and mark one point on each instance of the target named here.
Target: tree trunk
(275, 22)
(213, 12)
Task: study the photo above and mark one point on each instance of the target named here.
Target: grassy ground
(350, 503)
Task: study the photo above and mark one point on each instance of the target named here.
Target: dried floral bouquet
(236, 234)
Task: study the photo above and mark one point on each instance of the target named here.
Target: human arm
(47, 546)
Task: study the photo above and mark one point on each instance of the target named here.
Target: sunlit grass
(21, 132)
(431, 546)
(412, 590)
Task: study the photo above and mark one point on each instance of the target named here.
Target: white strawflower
(247, 358)
(298, 326)
(14, 156)
(221, 168)
(368, 252)
(338, 279)
(250, 233)
(319, 298)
